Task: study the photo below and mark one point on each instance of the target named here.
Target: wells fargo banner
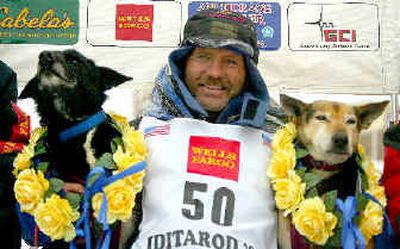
(134, 22)
(39, 21)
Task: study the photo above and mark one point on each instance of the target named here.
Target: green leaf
(114, 146)
(330, 200)
(42, 166)
(362, 201)
(311, 180)
(106, 161)
(301, 152)
(56, 184)
(74, 199)
(335, 241)
(117, 141)
(40, 149)
(300, 172)
(312, 193)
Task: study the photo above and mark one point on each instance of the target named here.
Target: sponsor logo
(214, 156)
(266, 17)
(134, 22)
(39, 22)
(330, 34)
(344, 26)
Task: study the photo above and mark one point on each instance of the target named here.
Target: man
(14, 134)
(391, 177)
(206, 184)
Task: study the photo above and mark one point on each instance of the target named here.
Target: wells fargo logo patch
(214, 156)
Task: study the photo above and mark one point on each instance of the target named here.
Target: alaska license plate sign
(39, 21)
(265, 15)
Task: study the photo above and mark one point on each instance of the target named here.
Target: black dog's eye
(351, 121)
(321, 117)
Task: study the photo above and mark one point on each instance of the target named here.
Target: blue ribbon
(83, 126)
(352, 238)
(385, 240)
(82, 226)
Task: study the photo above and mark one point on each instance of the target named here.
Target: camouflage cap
(221, 29)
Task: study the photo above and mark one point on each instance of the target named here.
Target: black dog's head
(69, 87)
(8, 93)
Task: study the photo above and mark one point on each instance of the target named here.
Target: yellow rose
(118, 118)
(124, 160)
(372, 173)
(284, 136)
(134, 142)
(23, 159)
(289, 192)
(36, 135)
(282, 161)
(55, 218)
(29, 189)
(120, 200)
(379, 193)
(361, 151)
(371, 220)
(312, 221)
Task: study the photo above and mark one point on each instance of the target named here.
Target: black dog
(10, 144)
(68, 89)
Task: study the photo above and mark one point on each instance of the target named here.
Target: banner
(342, 26)
(134, 22)
(266, 17)
(39, 21)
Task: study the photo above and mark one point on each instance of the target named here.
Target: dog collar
(83, 126)
(310, 162)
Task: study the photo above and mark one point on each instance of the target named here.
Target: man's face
(214, 76)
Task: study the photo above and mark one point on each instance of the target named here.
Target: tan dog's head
(330, 130)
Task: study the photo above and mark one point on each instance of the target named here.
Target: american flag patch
(157, 130)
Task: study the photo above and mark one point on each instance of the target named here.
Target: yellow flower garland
(309, 215)
(55, 215)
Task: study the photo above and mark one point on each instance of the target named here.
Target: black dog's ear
(30, 90)
(110, 78)
(291, 106)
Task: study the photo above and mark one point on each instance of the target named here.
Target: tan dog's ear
(291, 106)
(366, 114)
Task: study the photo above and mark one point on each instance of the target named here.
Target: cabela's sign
(39, 22)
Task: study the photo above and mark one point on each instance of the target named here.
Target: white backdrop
(359, 71)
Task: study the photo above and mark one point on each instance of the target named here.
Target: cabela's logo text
(48, 20)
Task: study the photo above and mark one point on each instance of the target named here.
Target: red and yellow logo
(134, 22)
(214, 156)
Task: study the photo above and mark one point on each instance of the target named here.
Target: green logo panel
(39, 22)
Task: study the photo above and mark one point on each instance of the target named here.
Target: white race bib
(206, 186)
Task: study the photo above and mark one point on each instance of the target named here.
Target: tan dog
(330, 132)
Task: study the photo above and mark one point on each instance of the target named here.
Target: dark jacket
(9, 226)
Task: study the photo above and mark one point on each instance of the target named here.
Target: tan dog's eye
(351, 121)
(321, 117)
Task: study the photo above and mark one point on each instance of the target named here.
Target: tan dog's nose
(340, 141)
